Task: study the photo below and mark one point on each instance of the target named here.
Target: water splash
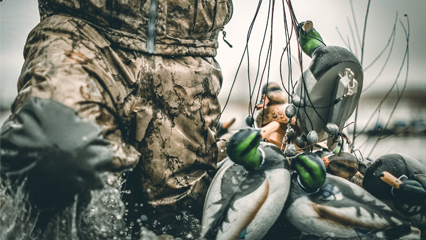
(102, 218)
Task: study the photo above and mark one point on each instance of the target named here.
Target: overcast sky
(18, 17)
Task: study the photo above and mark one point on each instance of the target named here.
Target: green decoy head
(243, 148)
(309, 38)
(311, 170)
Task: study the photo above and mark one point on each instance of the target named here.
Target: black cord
(242, 58)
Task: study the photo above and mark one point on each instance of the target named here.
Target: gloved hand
(53, 153)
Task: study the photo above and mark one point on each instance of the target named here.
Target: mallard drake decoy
(343, 210)
(257, 173)
(329, 90)
(245, 200)
(409, 200)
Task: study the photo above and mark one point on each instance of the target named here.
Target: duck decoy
(272, 108)
(344, 165)
(249, 190)
(409, 198)
(267, 133)
(340, 209)
(329, 90)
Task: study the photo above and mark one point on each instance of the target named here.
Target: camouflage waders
(147, 77)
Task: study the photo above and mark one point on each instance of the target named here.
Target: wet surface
(101, 219)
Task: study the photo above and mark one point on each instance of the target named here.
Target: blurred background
(338, 23)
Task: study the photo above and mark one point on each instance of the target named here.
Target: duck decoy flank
(244, 200)
(343, 210)
(400, 181)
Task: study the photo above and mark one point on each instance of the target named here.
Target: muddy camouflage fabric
(166, 27)
(159, 112)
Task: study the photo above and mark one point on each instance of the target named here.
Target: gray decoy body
(408, 206)
(343, 210)
(333, 72)
(246, 203)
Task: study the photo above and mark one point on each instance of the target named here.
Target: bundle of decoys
(280, 179)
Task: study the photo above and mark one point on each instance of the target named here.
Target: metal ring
(303, 187)
(263, 157)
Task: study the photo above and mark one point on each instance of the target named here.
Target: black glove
(53, 153)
